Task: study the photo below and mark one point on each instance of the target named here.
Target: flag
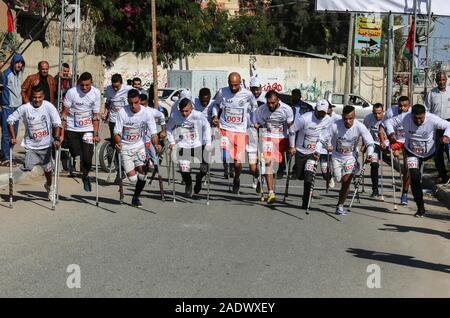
(10, 34)
(409, 46)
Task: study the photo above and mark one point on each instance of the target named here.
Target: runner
(332, 113)
(236, 105)
(402, 107)
(275, 118)
(204, 104)
(420, 144)
(342, 138)
(303, 137)
(80, 123)
(256, 89)
(42, 130)
(131, 123)
(372, 122)
(116, 98)
(190, 131)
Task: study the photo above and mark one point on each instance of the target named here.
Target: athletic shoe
(340, 211)
(404, 199)
(188, 189)
(236, 186)
(87, 184)
(50, 191)
(255, 183)
(332, 183)
(198, 186)
(135, 202)
(375, 193)
(420, 212)
(271, 198)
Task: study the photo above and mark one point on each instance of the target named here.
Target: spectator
(44, 79)
(137, 84)
(11, 99)
(66, 80)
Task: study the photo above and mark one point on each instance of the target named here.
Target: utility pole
(154, 55)
(390, 68)
(349, 61)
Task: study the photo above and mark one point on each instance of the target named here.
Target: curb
(440, 191)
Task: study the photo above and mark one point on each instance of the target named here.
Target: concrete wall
(3, 17)
(372, 84)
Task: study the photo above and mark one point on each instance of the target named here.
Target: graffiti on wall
(146, 77)
(315, 90)
(274, 86)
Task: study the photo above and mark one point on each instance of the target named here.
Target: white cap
(186, 93)
(255, 82)
(322, 105)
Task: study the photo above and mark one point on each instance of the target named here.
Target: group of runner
(236, 122)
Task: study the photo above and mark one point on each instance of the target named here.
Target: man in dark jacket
(41, 78)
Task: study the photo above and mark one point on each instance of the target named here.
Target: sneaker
(404, 199)
(50, 191)
(340, 211)
(236, 186)
(375, 193)
(332, 183)
(420, 212)
(198, 186)
(255, 183)
(87, 184)
(188, 189)
(271, 198)
(135, 202)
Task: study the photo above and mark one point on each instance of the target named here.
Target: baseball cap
(186, 93)
(255, 82)
(322, 105)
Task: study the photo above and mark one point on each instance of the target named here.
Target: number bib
(81, 120)
(224, 142)
(374, 157)
(141, 155)
(132, 134)
(344, 146)
(38, 129)
(185, 165)
(277, 128)
(412, 162)
(189, 134)
(310, 142)
(234, 115)
(349, 167)
(88, 138)
(310, 165)
(268, 146)
(418, 147)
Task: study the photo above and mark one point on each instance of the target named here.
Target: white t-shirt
(191, 132)
(419, 140)
(373, 126)
(345, 140)
(116, 100)
(39, 123)
(335, 117)
(207, 111)
(81, 108)
(392, 112)
(132, 126)
(236, 109)
(274, 124)
(306, 130)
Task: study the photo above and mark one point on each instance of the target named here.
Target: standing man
(342, 138)
(420, 143)
(132, 121)
(42, 130)
(11, 98)
(137, 84)
(66, 81)
(438, 103)
(303, 137)
(403, 107)
(372, 122)
(44, 79)
(275, 118)
(256, 89)
(300, 106)
(236, 105)
(190, 131)
(80, 123)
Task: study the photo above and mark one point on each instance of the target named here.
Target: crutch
(259, 158)
(311, 190)
(58, 159)
(208, 177)
(381, 173)
(288, 163)
(357, 183)
(362, 163)
(121, 180)
(328, 179)
(173, 175)
(11, 180)
(393, 179)
(110, 166)
(161, 186)
(96, 172)
(55, 178)
(400, 169)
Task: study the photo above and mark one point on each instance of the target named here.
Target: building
(232, 6)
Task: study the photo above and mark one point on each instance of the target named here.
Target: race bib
(310, 165)
(412, 162)
(374, 157)
(38, 129)
(185, 165)
(132, 134)
(188, 134)
(141, 155)
(349, 168)
(83, 119)
(224, 142)
(418, 147)
(344, 146)
(309, 142)
(234, 115)
(276, 128)
(88, 138)
(268, 146)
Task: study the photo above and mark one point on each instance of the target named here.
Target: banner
(368, 35)
(438, 7)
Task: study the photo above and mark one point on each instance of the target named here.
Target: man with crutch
(342, 137)
(273, 118)
(190, 131)
(303, 137)
(42, 131)
(420, 144)
(131, 123)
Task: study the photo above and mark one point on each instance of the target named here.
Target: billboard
(368, 35)
(438, 7)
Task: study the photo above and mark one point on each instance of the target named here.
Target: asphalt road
(236, 247)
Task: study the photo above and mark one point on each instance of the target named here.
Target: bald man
(46, 81)
(232, 114)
